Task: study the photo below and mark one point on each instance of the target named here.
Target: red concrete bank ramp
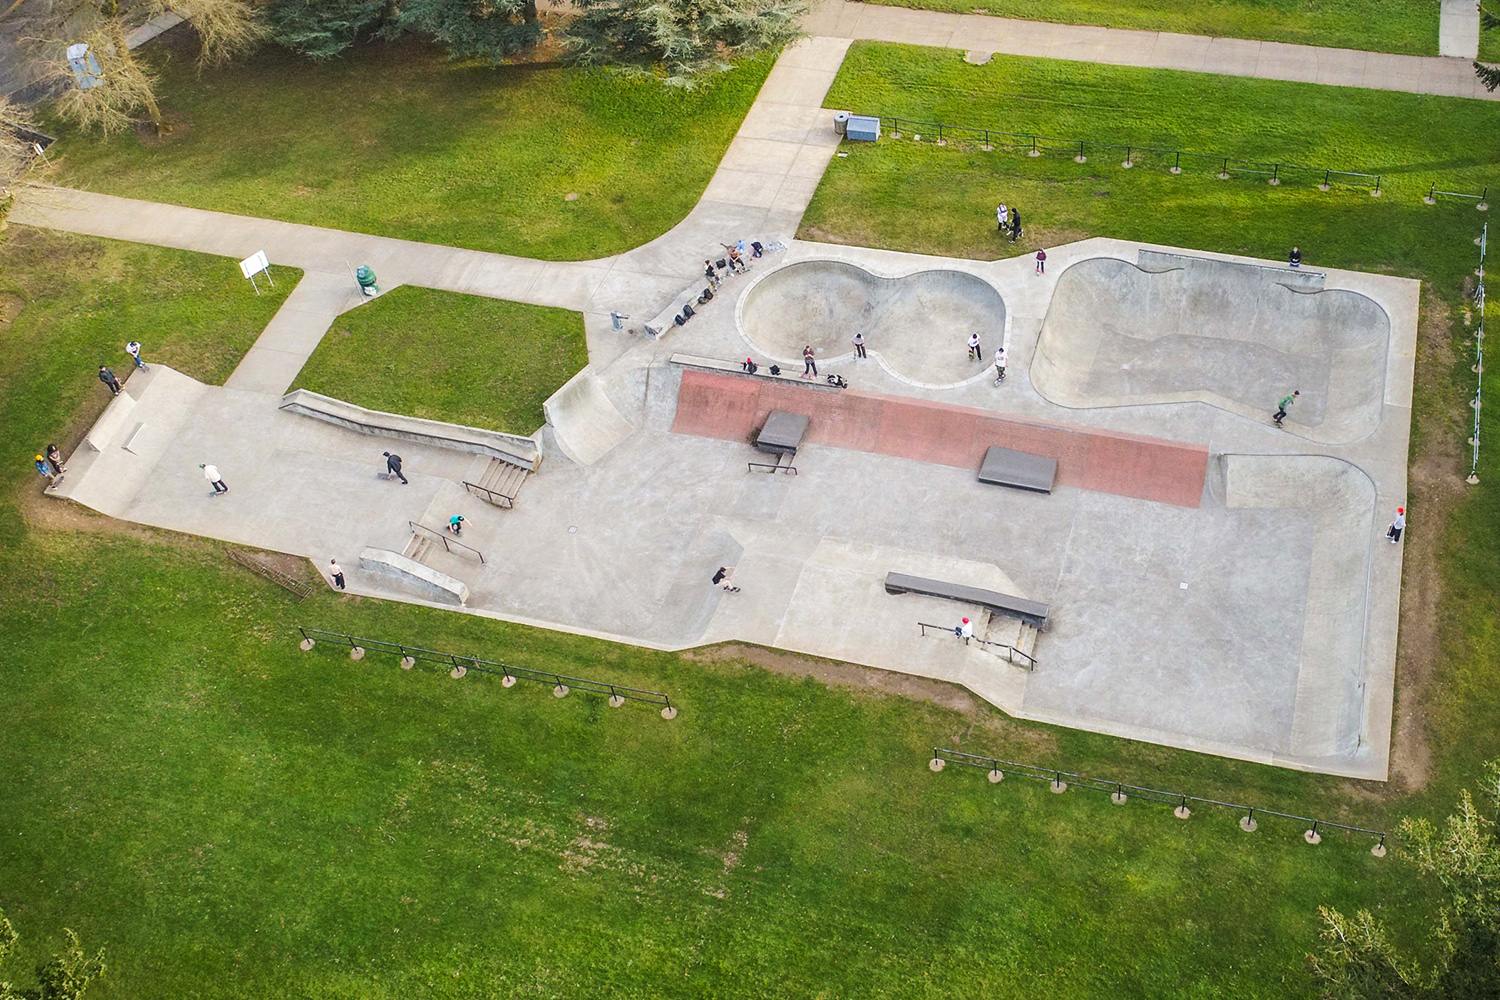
(730, 407)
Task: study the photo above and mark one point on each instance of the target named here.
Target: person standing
(393, 467)
(110, 382)
(965, 631)
(1397, 526)
(1015, 224)
(1002, 216)
(55, 457)
(211, 473)
(859, 344)
(45, 469)
(134, 350)
(337, 572)
(1000, 366)
(1041, 262)
(724, 579)
(809, 363)
(1284, 405)
(1295, 257)
(976, 353)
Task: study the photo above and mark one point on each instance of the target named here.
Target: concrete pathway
(1458, 31)
(1448, 77)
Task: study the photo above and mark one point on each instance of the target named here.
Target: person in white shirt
(1397, 526)
(1002, 215)
(134, 350)
(965, 631)
(975, 352)
(1000, 366)
(211, 473)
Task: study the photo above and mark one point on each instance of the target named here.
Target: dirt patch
(835, 673)
(175, 128)
(10, 307)
(1436, 487)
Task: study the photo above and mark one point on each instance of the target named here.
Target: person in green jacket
(1284, 405)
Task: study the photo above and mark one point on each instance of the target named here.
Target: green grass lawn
(1406, 26)
(396, 140)
(464, 359)
(232, 817)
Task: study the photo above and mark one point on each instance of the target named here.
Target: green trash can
(366, 279)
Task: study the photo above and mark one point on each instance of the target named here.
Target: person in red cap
(1397, 526)
(965, 631)
(750, 365)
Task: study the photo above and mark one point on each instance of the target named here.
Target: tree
(1358, 962)
(1488, 75)
(65, 976)
(680, 41)
(125, 86)
(16, 156)
(485, 29)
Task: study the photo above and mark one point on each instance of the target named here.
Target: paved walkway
(1458, 30)
(1155, 49)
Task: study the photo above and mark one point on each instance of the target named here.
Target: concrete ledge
(413, 575)
(115, 416)
(512, 448)
(762, 371)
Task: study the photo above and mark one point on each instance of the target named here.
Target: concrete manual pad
(1018, 469)
(782, 432)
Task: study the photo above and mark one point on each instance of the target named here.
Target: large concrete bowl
(1237, 336)
(918, 325)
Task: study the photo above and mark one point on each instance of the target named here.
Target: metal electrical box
(863, 128)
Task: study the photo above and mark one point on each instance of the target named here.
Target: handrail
(618, 694)
(773, 468)
(1011, 651)
(510, 501)
(443, 537)
(1120, 791)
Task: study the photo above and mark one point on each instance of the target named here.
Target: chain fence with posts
(1119, 793)
(1175, 160)
(1478, 356)
(459, 666)
(1481, 200)
(1010, 652)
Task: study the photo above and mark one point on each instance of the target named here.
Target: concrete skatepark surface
(918, 325)
(1234, 335)
(1257, 621)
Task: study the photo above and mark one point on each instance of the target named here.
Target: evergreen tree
(681, 41)
(486, 29)
(323, 29)
(1488, 75)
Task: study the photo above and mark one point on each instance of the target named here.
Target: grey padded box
(782, 433)
(1019, 469)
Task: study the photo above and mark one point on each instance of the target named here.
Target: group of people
(1009, 221)
(51, 467)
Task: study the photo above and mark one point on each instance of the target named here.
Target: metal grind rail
(1011, 651)
(561, 684)
(1119, 793)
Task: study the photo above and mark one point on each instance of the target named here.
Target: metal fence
(1481, 199)
(1120, 793)
(1479, 304)
(459, 666)
(1175, 160)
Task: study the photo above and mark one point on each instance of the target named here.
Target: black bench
(782, 433)
(1033, 612)
(1019, 469)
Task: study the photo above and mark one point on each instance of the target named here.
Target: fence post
(669, 713)
(1176, 167)
(1325, 185)
(1431, 198)
(1080, 158)
(1484, 199)
(1312, 836)
(1224, 174)
(615, 699)
(1182, 811)
(1379, 849)
(1247, 821)
(561, 691)
(1275, 174)
(1058, 785)
(1119, 797)
(1128, 161)
(1034, 150)
(307, 640)
(987, 144)
(940, 140)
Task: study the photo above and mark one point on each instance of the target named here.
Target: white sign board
(255, 264)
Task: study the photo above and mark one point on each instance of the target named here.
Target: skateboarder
(456, 524)
(975, 352)
(859, 344)
(725, 578)
(211, 473)
(55, 457)
(1000, 366)
(393, 467)
(44, 467)
(965, 631)
(1284, 405)
(1041, 262)
(134, 350)
(337, 572)
(1397, 526)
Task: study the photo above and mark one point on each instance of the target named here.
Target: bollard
(1379, 849)
(1247, 822)
(1312, 836)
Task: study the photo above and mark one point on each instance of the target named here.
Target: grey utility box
(863, 128)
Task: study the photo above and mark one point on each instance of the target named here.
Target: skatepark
(1210, 581)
